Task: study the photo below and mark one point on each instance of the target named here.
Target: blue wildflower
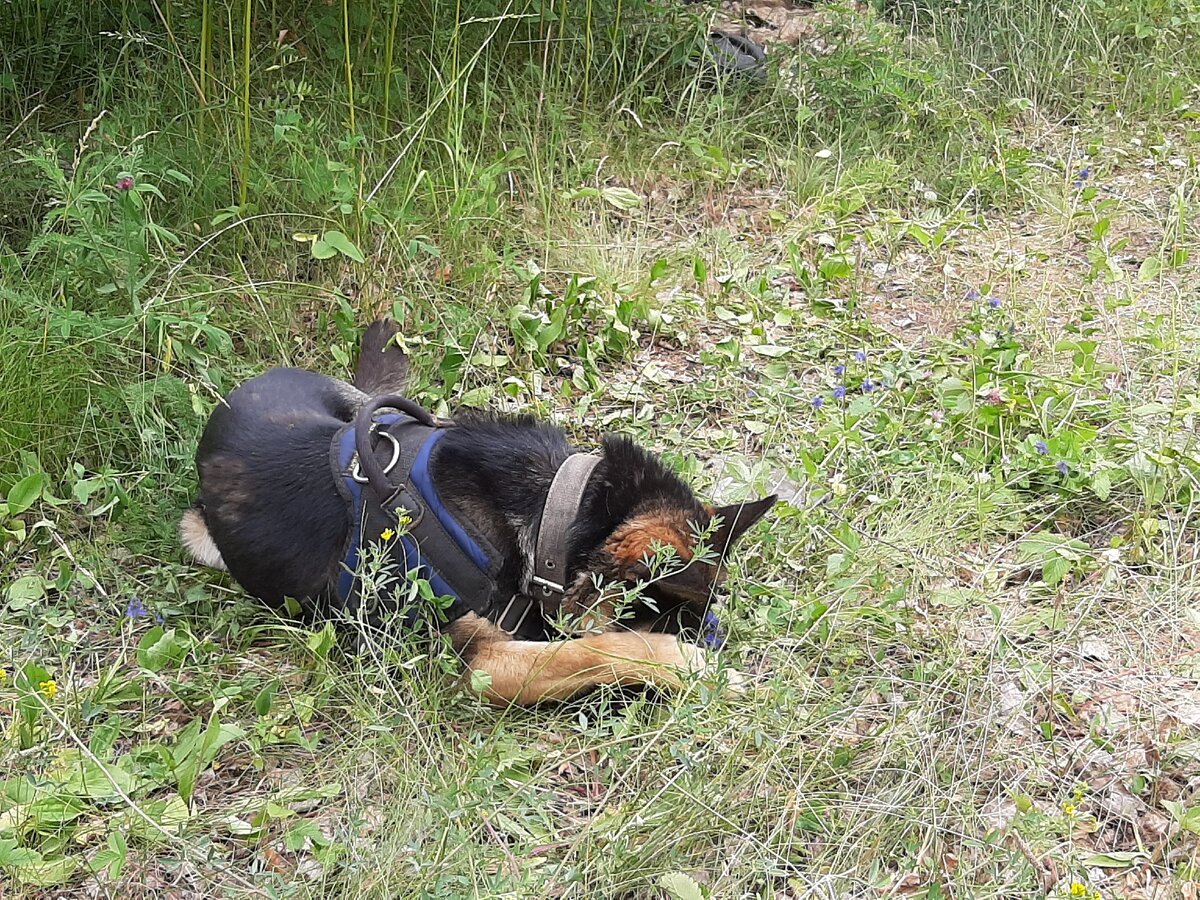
(818, 401)
(868, 385)
(711, 632)
(860, 355)
(1041, 448)
(1084, 174)
(1062, 467)
(839, 392)
(136, 609)
(993, 302)
(839, 371)
(972, 295)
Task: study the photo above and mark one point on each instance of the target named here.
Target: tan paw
(703, 663)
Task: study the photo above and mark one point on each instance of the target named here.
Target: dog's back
(266, 496)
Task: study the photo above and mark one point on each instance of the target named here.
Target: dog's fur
(269, 511)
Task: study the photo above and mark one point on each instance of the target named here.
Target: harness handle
(363, 422)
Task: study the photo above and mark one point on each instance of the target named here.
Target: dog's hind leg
(382, 366)
(194, 533)
(528, 672)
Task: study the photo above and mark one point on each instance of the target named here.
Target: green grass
(974, 620)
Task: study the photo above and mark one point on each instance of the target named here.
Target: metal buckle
(356, 471)
(547, 585)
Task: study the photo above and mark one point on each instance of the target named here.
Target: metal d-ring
(356, 472)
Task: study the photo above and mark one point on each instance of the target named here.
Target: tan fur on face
(636, 539)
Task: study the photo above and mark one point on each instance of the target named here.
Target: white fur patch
(193, 532)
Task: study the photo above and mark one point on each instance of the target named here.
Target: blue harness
(432, 544)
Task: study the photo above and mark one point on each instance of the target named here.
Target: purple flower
(711, 632)
(860, 355)
(1062, 467)
(839, 371)
(136, 609)
(125, 183)
(839, 392)
(868, 385)
(972, 295)
(818, 401)
(993, 302)
(1041, 448)
(1084, 174)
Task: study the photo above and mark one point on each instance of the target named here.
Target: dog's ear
(736, 520)
(382, 366)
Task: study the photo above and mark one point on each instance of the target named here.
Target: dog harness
(381, 463)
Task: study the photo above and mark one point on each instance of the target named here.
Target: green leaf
(46, 872)
(12, 855)
(1150, 268)
(26, 591)
(620, 197)
(158, 648)
(1117, 859)
(25, 493)
(266, 697)
(303, 831)
(1188, 819)
(332, 242)
(480, 681)
(681, 886)
(97, 781)
(771, 350)
(1055, 569)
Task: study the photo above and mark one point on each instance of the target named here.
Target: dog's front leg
(528, 672)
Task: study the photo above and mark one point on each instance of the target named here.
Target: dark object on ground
(531, 541)
(736, 54)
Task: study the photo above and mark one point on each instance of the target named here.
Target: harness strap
(457, 562)
(559, 512)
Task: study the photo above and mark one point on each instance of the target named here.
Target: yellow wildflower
(1069, 808)
(1078, 890)
(387, 534)
(3, 674)
(49, 688)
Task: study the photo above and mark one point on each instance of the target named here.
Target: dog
(560, 571)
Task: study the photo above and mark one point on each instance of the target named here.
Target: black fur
(272, 507)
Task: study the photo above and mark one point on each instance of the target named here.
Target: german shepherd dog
(269, 512)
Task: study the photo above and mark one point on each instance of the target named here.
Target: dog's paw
(702, 663)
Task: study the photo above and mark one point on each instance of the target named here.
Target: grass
(974, 620)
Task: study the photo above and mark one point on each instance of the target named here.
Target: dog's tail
(382, 366)
(193, 532)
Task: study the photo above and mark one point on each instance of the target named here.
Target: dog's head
(665, 541)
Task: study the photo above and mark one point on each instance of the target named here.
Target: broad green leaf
(46, 872)
(26, 591)
(1188, 819)
(1055, 569)
(620, 197)
(681, 886)
(303, 831)
(322, 249)
(159, 648)
(25, 493)
(480, 681)
(266, 697)
(771, 350)
(341, 244)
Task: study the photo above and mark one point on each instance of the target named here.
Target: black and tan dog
(302, 476)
